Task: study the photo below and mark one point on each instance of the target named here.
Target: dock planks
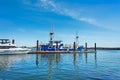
(42, 52)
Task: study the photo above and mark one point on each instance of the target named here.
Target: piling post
(74, 46)
(95, 46)
(13, 41)
(85, 46)
(37, 44)
(56, 46)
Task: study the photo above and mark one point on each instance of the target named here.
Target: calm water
(104, 65)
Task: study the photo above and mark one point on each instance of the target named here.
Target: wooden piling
(37, 46)
(95, 46)
(85, 46)
(74, 46)
(13, 41)
(56, 46)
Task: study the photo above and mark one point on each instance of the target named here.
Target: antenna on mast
(51, 33)
(77, 37)
(52, 28)
(51, 36)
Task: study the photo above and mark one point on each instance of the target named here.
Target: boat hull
(14, 51)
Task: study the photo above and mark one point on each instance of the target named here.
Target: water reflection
(46, 65)
(95, 59)
(86, 57)
(56, 58)
(6, 61)
(37, 62)
(74, 58)
(63, 63)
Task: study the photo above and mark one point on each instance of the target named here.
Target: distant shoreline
(105, 48)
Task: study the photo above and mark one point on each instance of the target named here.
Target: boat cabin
(6, 43)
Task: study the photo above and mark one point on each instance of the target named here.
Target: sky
(29, 20)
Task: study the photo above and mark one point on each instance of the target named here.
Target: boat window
(4, 41)
(7, 47)
(49, 47)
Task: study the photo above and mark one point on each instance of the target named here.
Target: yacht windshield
(4, 41)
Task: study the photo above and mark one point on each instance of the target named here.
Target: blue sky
(29, 20)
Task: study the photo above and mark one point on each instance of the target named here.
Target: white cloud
(52, 5)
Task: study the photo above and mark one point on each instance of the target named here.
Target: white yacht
(8, 47)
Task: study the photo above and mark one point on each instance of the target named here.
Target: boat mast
(51, 36)
(77, 37)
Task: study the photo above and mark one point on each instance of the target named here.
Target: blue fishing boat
(57, 45)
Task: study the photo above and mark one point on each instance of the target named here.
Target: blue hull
(53, 48)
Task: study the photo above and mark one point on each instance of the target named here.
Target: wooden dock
(57, 51)
(48, 52)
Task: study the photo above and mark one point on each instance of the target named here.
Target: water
(103, 65)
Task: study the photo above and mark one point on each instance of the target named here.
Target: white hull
(14, 51)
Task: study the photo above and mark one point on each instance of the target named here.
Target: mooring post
(37, 44)
(13, 41)
(85, 46)
(74, 46)
(56, 46)
(95, 46)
